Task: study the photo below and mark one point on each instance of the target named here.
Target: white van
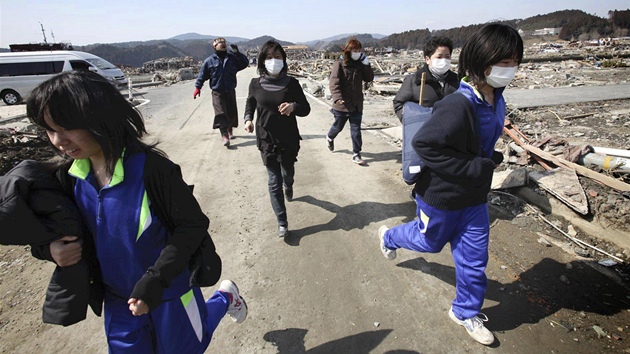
(21, 72)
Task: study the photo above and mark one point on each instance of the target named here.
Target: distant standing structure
(35, 47)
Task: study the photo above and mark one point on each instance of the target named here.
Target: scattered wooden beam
(609, 181)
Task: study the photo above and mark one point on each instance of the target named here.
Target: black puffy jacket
(34, 206)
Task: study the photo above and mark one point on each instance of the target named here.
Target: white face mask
(440, 66)
(501, 76)
(274, 66)
(356, 55)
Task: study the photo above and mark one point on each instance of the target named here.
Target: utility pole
(43, 32)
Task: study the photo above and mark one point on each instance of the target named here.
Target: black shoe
(358, 160)
(288, 193)
(330, 144)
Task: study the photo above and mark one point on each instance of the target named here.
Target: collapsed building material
(509, 179)
(609, 181)
(564, 185)
(540, 154)
(575, 240)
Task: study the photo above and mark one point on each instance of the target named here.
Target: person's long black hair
(81, 99)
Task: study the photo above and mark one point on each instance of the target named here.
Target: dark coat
(34, 205)
(189, 245)
(459, 171)
(222, 76)
(346, 83)
(277, 136)
(433, 91)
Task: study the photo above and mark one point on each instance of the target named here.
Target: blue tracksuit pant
(468, 232)
(182, 325)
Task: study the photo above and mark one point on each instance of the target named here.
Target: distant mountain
(259, 41)
(135, 56)
(324, 41)
(574, 24)
(197, 36)
(366, 39)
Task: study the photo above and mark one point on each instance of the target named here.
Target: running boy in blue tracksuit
(457, 146)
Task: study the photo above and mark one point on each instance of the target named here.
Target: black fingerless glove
(150, 289)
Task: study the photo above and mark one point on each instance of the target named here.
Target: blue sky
(83, 22)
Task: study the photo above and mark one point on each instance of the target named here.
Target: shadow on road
(538, 292)
(291, 340)
(350, 217)
(373, 157)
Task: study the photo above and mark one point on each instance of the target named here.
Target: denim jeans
(355, 127)
(280, 173)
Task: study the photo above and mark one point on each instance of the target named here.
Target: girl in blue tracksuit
(149, 304)
(457, 146)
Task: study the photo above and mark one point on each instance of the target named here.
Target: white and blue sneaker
(475, 328)
(389, 254)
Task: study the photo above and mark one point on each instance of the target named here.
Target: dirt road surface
(326, 288)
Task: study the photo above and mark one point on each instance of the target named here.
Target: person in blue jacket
(221, 68)
(150, 305)
(457, 146)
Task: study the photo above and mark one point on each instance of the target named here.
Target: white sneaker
(389, 254)
(237, 308)
(475, 327)
(283, 231)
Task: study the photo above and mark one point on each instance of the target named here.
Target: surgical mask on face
(501, 76)
(274, 66)
(440, 66)
(356, 55)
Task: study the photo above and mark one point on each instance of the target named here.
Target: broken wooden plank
(609, 181)
(509, 179)
(564, 185)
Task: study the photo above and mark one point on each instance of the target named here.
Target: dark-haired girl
(457, 146)
(145, 222)
(277, 99)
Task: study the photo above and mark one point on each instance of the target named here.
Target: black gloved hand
(497, 157)
(234, 48)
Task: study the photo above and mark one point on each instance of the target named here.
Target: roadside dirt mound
(16, 147)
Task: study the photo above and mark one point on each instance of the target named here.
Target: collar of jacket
(471, 91)
(80, 168)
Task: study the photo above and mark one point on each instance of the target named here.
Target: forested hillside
(573, 24)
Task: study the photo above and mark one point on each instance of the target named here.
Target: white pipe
(613, 152)
(607, 162)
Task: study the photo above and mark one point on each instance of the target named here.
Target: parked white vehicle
(21, 72)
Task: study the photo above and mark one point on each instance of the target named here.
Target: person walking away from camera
(457, 145)
(277, 99)
(346, 87)
(439, 82)
(145, 222)
(220, 69)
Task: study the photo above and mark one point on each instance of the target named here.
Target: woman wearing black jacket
(439, 82)
(277, 99)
